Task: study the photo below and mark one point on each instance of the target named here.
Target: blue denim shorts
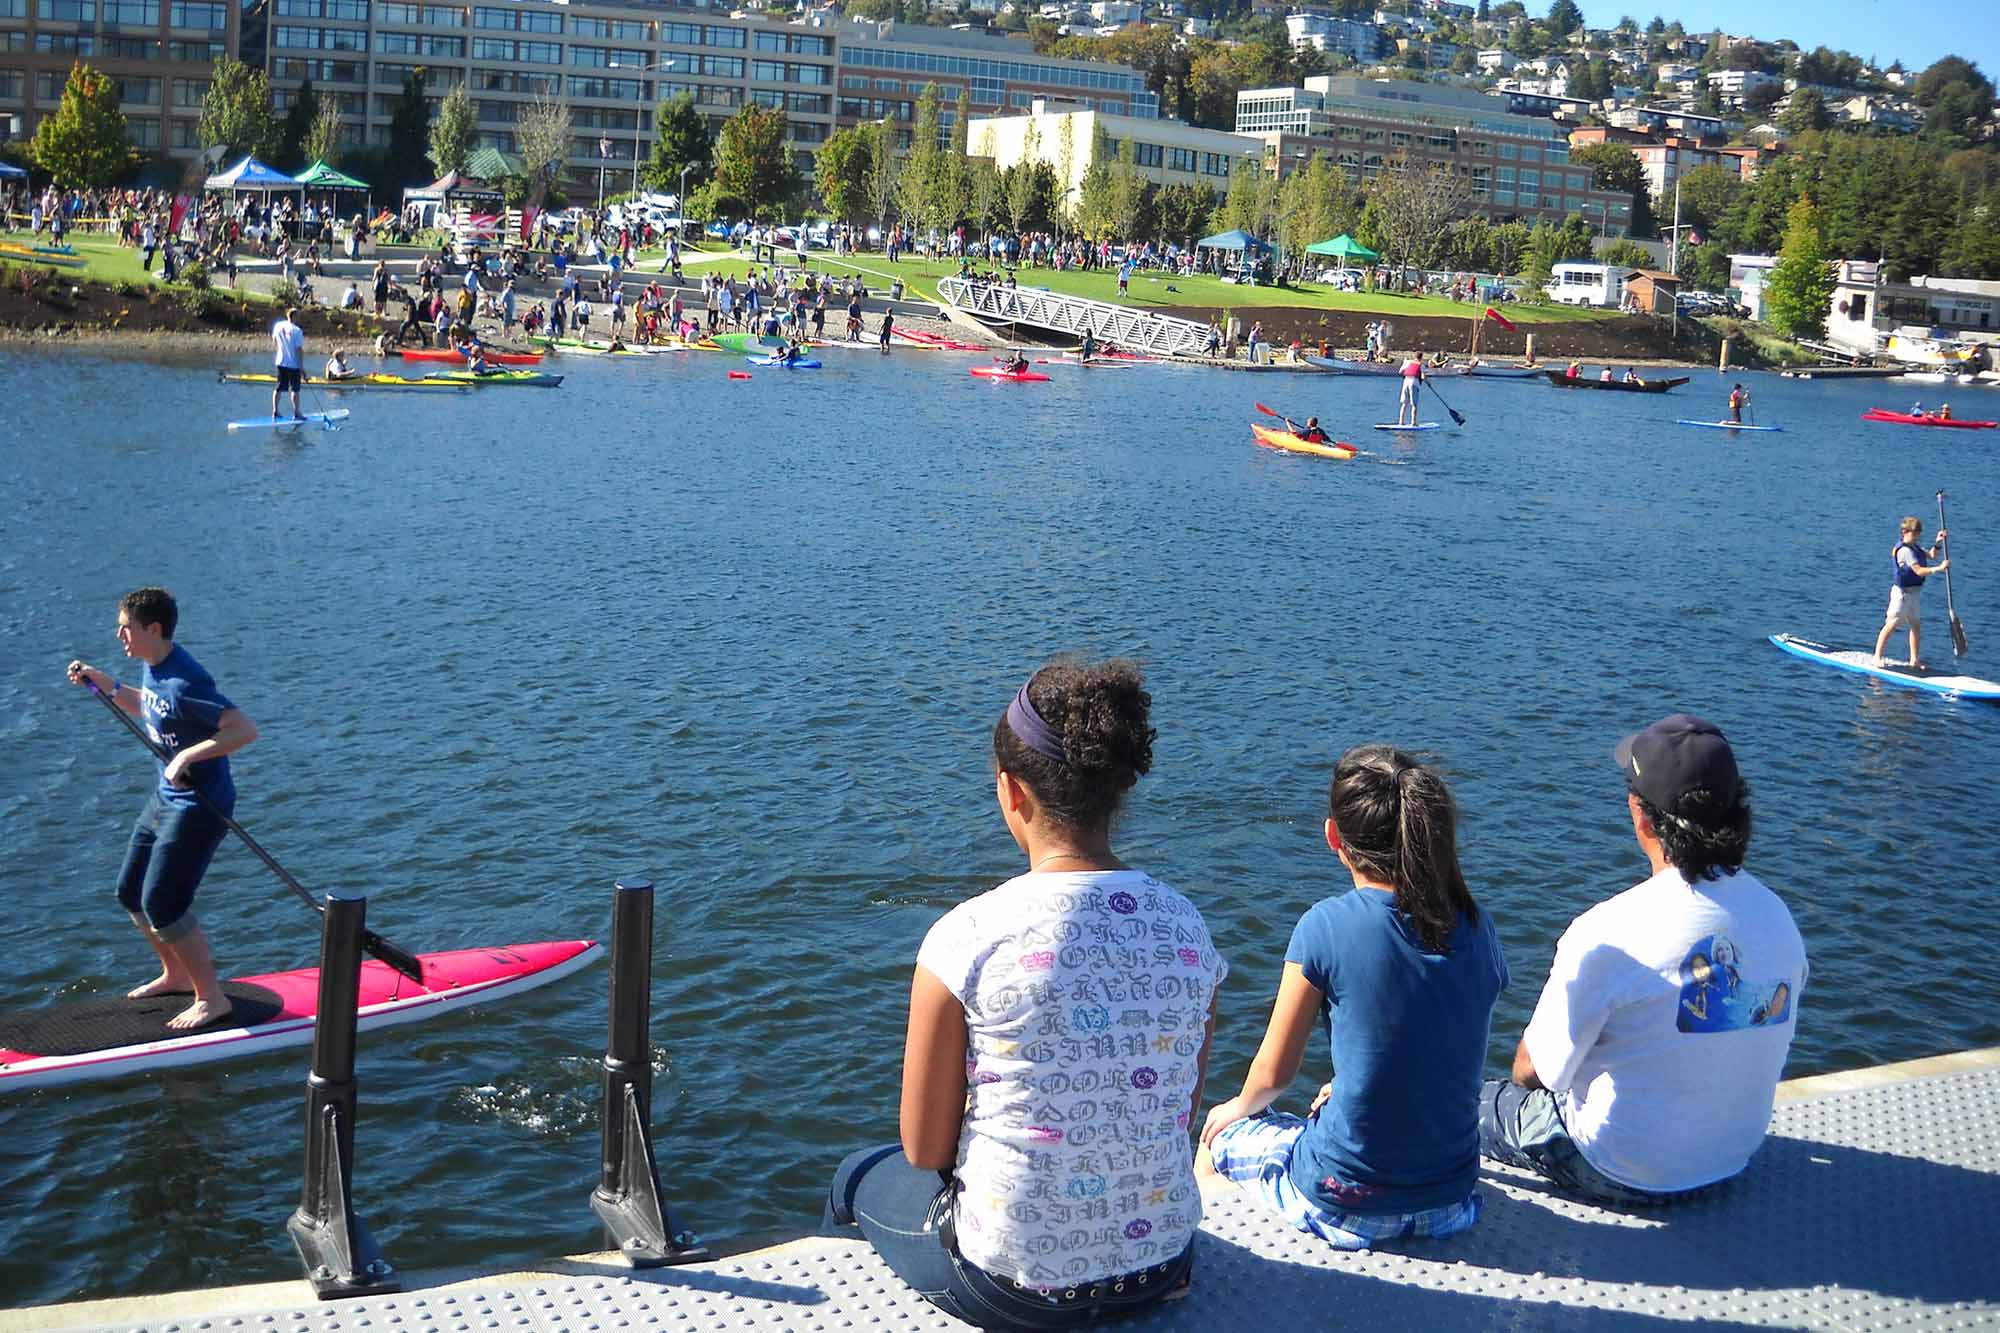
(171, 847)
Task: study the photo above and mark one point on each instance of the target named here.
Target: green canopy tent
(320, 176)
(1342, 246)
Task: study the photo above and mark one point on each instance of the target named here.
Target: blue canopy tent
(250, 174)
(1247, 249)
(10, 172)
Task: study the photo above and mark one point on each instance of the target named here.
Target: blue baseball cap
(1676, 757)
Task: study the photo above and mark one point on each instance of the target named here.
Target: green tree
(1807, 111)
(1252, 201)
(1018, 181)
(409, 127)
(1800, 286)
(83, 144)
(1096, 196)
(1128, 194)
(322, 137)
(885, 168)
(236, 112)
(1627, 253)
(542, 136)
(841, 170)
(452, 132)
(1315, 203)
(921, 187)
(954, 183)
(753, 163)
(1183, 210)
(681, 142)
(1974, 248)
(293, 130)
(1508, 245)
(1957, 99)
(1757, 102)
(1616, 167)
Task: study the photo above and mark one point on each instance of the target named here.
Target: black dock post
(339, 1256)
(628, 1199)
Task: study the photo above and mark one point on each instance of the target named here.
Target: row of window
(195, 15)
(352, 11)
(116, 48)
(805, 104)
(1013, 71)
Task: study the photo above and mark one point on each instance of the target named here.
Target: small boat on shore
(1563, 380)
(1876, 414)
(1346, 367)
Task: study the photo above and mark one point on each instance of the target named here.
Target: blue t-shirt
(1409, 1031)
(181, 707)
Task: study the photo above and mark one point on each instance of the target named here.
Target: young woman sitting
(1059, 1026)
(1406, 968)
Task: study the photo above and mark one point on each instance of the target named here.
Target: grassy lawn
(1150, 291)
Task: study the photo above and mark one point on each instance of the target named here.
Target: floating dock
(1874, 1203)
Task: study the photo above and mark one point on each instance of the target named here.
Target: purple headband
(1027, 724)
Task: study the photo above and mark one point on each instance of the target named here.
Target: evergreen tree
(753, 163)
(1799, 289)
(409, 127)
(452, 132)
(1564, 17)
(236, 112)
(297, 124)
(83, 143)
(681, 142)
(1806, 112)
(917, 189)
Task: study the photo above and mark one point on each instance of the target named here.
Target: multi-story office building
(1069, 138)
(1518, 165)
(612, 62)
(884, 67)
(159, 52)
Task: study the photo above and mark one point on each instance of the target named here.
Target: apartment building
(884, 67)
(613, 63)
(1069, 138)
(1518, 165)
(1358, 39)
(159, 52)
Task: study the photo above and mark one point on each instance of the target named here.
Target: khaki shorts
(1903, 608)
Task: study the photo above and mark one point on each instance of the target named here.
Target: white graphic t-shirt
(1085, 997)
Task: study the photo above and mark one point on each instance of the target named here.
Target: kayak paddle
(1957, 630)
(393, 954)
(1456, 419)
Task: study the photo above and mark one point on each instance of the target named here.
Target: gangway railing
(1133, 330)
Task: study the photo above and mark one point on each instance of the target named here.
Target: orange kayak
(1281, 439)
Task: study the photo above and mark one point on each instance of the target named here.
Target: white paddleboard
(291, 423)
(1724, 425)
(1427, 425)
(1863, 663)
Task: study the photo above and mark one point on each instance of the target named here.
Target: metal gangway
(1133, 330)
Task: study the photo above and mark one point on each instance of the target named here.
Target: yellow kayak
(1281, 439)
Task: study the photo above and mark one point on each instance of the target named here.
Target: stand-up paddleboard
(113, 1036)
(1863, 663)
(291, 423)
(1724, 425)
(1426, 425)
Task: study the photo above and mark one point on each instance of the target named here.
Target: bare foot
(164, 984)
(199, 1014)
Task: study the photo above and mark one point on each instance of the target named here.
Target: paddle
(1270, 412)
(394, 955)
(1957, 630)
(1456, 419)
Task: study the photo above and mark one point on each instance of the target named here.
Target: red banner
(1499, 319)
(176, 214)
(528, 215)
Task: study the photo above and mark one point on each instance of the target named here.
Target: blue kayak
(1863, 663)
(804, 363)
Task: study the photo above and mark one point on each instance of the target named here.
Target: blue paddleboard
(1863, 663)
(291, 423)
(1724, 425)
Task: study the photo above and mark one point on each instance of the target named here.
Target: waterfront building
(1069, 139)
(612, 63)
(159, 52)
(1518, 165)
(883, 67)
(1733, 85)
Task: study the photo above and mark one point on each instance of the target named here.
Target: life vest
(1905, 576)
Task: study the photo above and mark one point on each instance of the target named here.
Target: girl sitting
(1406, 969)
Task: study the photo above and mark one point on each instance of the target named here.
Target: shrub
(203, 302)
(195, 275)
(286, 292)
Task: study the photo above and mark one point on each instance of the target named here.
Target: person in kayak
(1404, 968)
(1739, 398)
(1573, 371)
(1025, 1103)
(1944, 412)
(1311, 432)
(1604, 376)
(184, 713)
(337, 367)
(1406, 404)
(1907, 562)
(1630, 376)
(1014, 363)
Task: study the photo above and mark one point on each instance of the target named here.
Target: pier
(1131, 329)
(1874, 1202)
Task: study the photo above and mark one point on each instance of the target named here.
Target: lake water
(750, 638)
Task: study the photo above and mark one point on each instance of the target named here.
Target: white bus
(1588, 284)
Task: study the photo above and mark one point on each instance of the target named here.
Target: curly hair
(1708, 842)
(1398, 823)
(1100, 711)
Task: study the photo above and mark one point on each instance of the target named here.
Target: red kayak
(1905, 419)
(454, 355)
(995, 373)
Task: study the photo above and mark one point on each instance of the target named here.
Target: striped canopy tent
(250, 174)
(1342, 246)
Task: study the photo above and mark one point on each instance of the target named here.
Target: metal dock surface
(1874, 1203)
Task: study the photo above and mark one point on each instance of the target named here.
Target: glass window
(483, 48)
(536, 20)
(298, 9)
(735, 38)
(140, 13)
(390, 11)
(1148, 154)
(439, 17)
(1180, 159)
(138, 92)
(345, 39)
(69, 11)
(189, 92)
(352, 11)
(200, 17)
(183, 135)
(484, 17)
(144, 131)
(769, 71)
(541, 53)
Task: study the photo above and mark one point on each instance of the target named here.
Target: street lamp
(639, 113)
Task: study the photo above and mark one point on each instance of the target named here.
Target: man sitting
(1648, 1068)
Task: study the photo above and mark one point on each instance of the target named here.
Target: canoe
(1863, 663)
(1503, 372)
(1724, 425)
(368, 381)
(1563, 381)
(995, 373)
(1347, 367)
(1905, 419)
(1284, 439)
(453, 354)
(114, 1035)
(532, 379)
(773, 363)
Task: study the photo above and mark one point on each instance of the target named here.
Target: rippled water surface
(750, 638)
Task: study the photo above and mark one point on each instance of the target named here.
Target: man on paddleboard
(290, 341)
(1647, 1071)
(1406, 406)
(1739, 398)
(1907, 560)
(182, 710)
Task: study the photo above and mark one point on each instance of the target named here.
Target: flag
(528, 216)
(1499, 319)
(177, 214)
(604, 148)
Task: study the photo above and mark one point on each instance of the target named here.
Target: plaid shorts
(1257, 1152)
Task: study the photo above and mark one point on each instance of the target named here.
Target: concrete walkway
(1875, 1203)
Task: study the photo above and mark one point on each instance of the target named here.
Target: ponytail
(1398, 824)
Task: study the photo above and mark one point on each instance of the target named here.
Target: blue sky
(1916, 32)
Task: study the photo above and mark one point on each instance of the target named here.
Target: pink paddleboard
(113, 1036)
